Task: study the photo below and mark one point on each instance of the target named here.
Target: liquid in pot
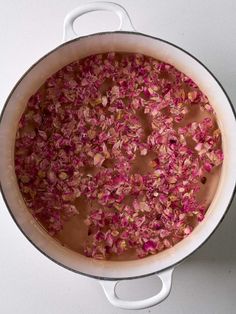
(118, 156)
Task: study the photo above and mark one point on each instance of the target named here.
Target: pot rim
(5, 200)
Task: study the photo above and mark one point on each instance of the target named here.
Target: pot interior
(80, 48)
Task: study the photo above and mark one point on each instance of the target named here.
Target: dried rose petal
(98, 159)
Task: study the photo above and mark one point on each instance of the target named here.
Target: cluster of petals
(81, 135)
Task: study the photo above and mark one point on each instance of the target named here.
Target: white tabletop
(29, 282)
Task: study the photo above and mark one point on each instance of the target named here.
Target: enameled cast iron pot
(126, 39)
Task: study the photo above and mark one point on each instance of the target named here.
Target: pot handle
(109, 288)
(68, 29)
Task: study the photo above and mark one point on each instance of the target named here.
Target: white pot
(110, 272)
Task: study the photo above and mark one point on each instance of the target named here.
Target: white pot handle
(68, 29)
(109, 288)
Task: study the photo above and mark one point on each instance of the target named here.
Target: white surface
(30, 283)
